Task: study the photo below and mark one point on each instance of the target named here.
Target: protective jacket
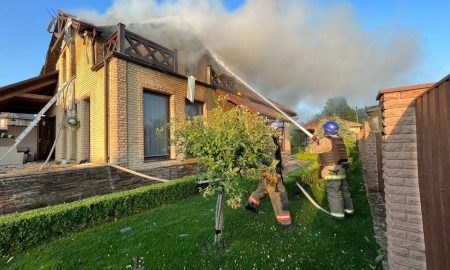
(278, 157)
(332, 153)
(336, 155)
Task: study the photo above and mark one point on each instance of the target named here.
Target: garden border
(22, 230)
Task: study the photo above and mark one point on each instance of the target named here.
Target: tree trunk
(219, 217)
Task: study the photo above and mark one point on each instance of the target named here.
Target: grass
(180, 236)
(302, 155)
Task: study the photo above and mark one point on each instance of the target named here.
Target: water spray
(226, 68)
(173, 19)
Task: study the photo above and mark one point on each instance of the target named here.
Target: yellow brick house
(125, 88)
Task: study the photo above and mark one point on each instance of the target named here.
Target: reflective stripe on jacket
(335, 177)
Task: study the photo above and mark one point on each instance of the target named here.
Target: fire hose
(309, 134)
(222, 64)
(311, 199)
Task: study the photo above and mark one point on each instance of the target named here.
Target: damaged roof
(252, 106)
(102, 32)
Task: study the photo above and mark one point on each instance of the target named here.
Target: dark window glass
(193, 109)
(156, 116)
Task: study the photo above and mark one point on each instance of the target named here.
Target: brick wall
(83, 145)
(406, 249)
(121, 138)
(368, 153)
(140, 79)
(90, 85)
(21, 192)
(89, 141)
(118, 116)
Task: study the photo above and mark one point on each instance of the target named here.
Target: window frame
(201, 103)
(156, 157)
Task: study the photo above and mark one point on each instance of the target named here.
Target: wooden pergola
(28, 96)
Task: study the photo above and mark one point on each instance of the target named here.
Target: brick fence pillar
(406, 248)
(368, 149)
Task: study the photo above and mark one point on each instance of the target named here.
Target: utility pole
(357, 118)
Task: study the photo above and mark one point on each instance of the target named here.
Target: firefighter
(272, 184)
(333, 161)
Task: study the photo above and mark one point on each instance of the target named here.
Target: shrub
(295, 149)
(302, 155)
(227, 144)
(356, 163)
(344, 132)
(309, 175)
(22, 230)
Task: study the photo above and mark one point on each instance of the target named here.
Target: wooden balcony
(138, 49)
(222, 81)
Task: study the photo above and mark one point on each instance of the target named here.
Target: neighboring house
(18, 104)
(314, 125)
(125, 88)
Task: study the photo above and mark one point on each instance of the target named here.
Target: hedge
(308, 176)
(22, 230)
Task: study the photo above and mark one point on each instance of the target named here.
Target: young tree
(337, 106)
(344, 132)
(227, 144)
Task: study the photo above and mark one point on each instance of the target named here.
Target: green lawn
(180, 236)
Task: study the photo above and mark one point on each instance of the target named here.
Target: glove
(272, 179)
(345, 165)
(314, 139)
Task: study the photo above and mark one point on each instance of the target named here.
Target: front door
(46, 136)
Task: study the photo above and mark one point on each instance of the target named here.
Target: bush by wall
(22, 230)
(305, 156)
(308, 176)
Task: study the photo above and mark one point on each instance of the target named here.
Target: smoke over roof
(293, 51)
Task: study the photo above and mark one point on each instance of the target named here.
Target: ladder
(37, 118)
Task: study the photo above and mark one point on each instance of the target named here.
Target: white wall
(29, 141)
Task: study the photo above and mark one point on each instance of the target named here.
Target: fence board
(433, 139)
(444, 100)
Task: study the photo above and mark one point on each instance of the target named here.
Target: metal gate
(433, 139)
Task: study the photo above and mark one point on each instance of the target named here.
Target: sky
(24, 40)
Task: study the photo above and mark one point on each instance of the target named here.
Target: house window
(156, 118)
(193, 109)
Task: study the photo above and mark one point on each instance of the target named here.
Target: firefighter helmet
(330, 128)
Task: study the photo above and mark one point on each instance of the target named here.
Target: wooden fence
(433, 139)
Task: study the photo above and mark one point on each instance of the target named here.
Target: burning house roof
(123, 43)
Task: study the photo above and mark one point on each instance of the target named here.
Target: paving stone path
(293, 164)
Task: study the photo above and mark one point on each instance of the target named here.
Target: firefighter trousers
(339, 198)
(278, 197)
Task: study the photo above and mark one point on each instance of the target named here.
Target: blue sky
(24, 38)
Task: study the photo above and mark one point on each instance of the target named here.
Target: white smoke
(293, 51)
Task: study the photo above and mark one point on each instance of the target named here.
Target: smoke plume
(295, 52)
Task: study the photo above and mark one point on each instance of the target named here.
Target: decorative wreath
(73, 122)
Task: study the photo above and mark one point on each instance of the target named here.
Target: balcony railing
(140, 49)
(222, 81)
